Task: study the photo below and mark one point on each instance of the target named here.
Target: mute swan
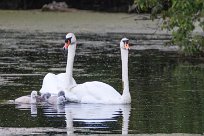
(96, 92)
(54, 83)
(27, 99)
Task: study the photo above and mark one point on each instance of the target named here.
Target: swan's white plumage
(54, 83)
(94, 92)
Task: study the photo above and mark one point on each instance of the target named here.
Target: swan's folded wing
(50, 84)
(96, 92)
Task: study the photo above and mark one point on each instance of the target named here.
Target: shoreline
(78, 21)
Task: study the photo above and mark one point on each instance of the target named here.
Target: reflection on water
(31, 107)
(96, 117)
(167, 91)
(85, 118)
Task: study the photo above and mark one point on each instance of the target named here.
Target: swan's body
(54, 83)
(93, 92)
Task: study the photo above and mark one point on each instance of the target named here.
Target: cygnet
(28, 98)
(43, 98)
(59, 99)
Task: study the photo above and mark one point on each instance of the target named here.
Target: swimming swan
(96, 92)
(54, 83)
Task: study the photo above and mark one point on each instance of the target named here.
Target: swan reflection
(83, 118)
(92, 116)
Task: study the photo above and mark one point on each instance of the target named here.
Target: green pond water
(167, 90)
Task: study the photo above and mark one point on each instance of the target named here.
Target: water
(167, 90)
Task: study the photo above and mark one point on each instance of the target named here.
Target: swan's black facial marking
(126, 41)
(68, 39)
(125, 44)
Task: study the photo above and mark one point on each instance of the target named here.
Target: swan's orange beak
(127, 46)
(66, 45)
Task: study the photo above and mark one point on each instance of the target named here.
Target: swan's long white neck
(126, 94)
(70, 62)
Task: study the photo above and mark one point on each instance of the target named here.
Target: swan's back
(54, 83)
(50, 84)
(96, 92)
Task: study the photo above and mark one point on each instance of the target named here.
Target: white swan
(96, 92)
(54, 83)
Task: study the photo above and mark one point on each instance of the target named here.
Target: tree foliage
(181, 17)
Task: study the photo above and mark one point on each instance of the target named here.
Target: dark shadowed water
(167, 91)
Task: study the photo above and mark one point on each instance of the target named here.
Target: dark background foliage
(100, 5)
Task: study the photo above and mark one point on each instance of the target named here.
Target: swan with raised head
(54, 83)
(96, 92)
